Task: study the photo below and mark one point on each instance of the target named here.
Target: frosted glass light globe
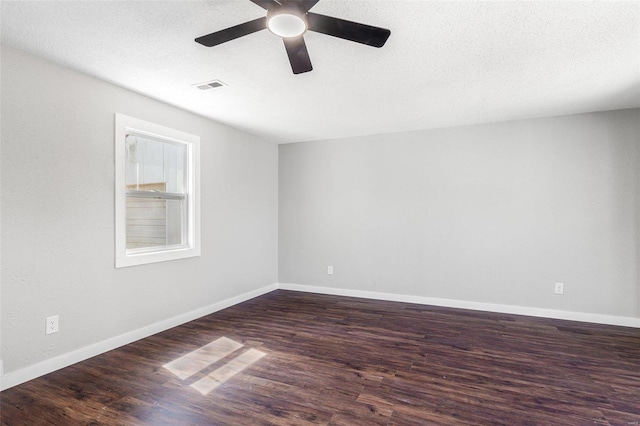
(287, 25)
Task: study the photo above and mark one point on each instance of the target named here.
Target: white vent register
(208, 85)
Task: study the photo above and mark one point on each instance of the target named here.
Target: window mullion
(156, 194)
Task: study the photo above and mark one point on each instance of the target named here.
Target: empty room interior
(255, 212)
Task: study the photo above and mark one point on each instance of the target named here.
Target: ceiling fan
(290, 19)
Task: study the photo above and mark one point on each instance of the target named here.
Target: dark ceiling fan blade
(231, 33)
(266, 4)
(348, 30)
(298, 54)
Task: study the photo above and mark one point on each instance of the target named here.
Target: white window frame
(125, 125)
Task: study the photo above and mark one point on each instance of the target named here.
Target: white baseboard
(463, 304)
(50, 365)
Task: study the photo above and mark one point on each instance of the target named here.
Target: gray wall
(491, 213)
(57, 208)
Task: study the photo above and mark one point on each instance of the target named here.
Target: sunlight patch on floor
(193, 362)
(189, 364)
(227, 371)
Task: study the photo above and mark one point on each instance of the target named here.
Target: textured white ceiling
(446, 63)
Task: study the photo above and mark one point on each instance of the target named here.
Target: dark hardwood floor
(295, 358)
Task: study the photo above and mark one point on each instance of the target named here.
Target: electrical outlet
(559, 288)
(330, 270)
(52, 324)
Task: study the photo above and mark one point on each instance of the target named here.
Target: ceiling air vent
(208, 85)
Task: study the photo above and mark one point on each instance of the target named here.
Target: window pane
(153, 222)
(153, 165)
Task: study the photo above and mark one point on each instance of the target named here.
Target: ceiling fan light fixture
(286, 25)
(289, 20)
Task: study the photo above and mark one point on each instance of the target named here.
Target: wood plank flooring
(289, 358)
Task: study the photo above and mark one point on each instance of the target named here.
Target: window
(157, 193)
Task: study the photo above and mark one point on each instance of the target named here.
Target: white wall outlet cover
(330, 270)
(559, 289)
(52, 324)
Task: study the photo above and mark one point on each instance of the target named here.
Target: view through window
(156, 193)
